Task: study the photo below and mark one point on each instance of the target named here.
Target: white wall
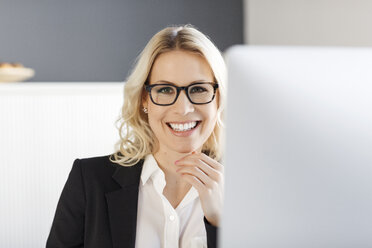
(43, 128)
(308, 22)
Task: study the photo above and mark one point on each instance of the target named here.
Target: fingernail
(176, 161)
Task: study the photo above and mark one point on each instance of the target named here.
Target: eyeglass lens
(166, 94)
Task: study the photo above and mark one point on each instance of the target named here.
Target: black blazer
(98, 207)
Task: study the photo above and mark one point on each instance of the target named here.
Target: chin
(185, 149)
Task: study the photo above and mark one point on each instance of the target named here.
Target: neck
(166, 160)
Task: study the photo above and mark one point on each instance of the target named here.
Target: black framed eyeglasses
(167, 94)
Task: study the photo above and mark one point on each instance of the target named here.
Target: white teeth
(183, 127)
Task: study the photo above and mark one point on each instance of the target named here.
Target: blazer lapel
(122, 205)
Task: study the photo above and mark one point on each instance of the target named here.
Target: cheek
(210, 114)
(152, 121)
(213, 110)
(155, 118)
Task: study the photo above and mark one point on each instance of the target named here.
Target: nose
(183, 106)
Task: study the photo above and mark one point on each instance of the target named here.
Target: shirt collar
(150, 167)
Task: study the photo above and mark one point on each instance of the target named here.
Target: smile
(183, 127)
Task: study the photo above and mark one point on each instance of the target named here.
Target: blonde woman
(164, 186)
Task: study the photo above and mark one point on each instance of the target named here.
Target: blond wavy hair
(136, 137)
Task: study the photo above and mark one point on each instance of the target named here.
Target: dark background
(98, 40)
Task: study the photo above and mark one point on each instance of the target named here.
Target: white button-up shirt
(158, 223)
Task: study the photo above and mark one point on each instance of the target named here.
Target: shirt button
(172, 217)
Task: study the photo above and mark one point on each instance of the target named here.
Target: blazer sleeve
(212, 234)
(68, 225)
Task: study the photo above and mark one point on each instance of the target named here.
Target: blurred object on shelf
(15, 72)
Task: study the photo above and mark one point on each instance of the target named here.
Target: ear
(144, 99)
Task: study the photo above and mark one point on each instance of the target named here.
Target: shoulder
(100, 171)
(95, 170)
(97, 163)
(100, 164)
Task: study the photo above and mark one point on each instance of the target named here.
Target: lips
(183, 126)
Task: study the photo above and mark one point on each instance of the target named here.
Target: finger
(207, 169)
(195, 182)
(213, 163)
(199, 174)
(204, 157)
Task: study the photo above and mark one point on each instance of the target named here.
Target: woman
(164, 186)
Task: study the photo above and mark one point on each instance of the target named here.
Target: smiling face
(181, 68)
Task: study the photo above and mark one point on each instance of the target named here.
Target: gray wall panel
(96, 40)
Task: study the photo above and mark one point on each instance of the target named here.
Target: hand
(206, 176)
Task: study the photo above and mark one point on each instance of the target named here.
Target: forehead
(181, 68)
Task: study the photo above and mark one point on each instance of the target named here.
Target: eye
(198, 89)
(165, 90)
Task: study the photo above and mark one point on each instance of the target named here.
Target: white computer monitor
(299, 148)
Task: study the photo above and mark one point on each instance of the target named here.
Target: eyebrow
(168, 82)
